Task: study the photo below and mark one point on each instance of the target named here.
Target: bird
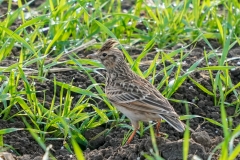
(131, 94)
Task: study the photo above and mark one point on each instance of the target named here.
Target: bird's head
(108, 55)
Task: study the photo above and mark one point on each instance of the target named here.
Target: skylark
(134, 96)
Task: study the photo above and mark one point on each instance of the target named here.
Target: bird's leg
(131, 137)
(158, 127)
(135, 125)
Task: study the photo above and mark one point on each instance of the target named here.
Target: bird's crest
(108, 45)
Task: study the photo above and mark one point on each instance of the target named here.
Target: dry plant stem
(80, 48)
(77, 49)
(53, 70)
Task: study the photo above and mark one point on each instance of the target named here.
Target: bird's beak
(93, 56)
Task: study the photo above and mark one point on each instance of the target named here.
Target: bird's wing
(139, 95)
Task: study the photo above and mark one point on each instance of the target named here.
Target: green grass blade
(201, 87)
(18, 38)
(77, 150)
(9, 130)
(217, 68)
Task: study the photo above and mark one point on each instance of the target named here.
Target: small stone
(202, 138)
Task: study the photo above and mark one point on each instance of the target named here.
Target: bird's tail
(174, 122)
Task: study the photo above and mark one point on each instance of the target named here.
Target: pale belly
(138, 115)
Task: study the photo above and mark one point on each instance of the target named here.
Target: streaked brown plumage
(134, 96)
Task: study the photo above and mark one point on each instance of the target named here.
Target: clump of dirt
(167, 149)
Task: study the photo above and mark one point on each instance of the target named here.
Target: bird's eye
(104, 54)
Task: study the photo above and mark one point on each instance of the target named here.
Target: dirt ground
(203, 140)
